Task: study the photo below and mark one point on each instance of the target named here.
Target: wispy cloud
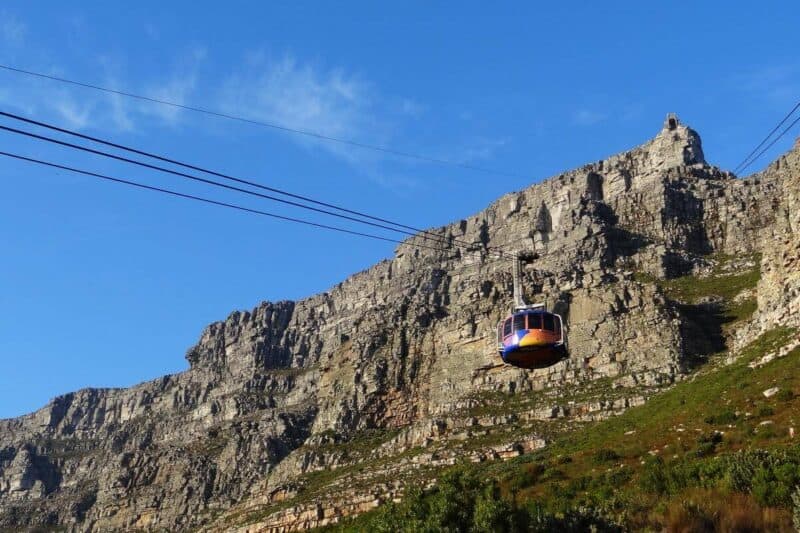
(76, 115)
(12, 30)
(588, 117)
(177, 88)
(480, 148)
(284, 90)
(333, 103)
(80, 109)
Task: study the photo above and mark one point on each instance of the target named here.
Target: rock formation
(396, 358)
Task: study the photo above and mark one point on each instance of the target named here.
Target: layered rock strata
(402, 348)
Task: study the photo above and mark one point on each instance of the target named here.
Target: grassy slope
(688, 458)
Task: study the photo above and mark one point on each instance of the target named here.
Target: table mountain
(295, 414)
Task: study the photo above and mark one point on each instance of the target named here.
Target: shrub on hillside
(725, 417)
(769, 475)
(713, 510)
(604, 455)
(525, 476)
(766, 411)
(785, 395)
(461, 501)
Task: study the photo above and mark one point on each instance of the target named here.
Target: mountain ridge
(402, 348)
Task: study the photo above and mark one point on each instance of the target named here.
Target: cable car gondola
(531, 337)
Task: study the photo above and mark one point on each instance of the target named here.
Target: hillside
(297, 414)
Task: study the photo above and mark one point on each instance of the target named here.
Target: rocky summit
(297, 414)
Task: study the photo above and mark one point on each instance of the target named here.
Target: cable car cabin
(531, 339)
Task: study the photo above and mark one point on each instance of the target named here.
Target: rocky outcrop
(400, 351)
(779, 289)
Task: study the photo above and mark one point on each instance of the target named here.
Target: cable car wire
(425, 233)
(209, 201)
(197, 178)
(287, 129)
(776, 139)
(744, 164)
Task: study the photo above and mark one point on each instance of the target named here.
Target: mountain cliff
(296, 414)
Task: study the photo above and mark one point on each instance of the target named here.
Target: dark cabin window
(507, 328)
(549, 323)
(519, 322)
(558, 325)
(534, 322)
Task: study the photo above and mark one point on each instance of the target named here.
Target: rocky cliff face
(394, 371)
(779, 289)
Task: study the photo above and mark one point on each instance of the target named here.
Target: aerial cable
(776, 139)
(198, 179)
(423, 232)
(210, 201)
(744, 164)
(308, 133)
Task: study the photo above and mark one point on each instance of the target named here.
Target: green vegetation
(361, 444)
(494, 403)
(720, 284)
(711, 453)
(462, 501)
(691, 289)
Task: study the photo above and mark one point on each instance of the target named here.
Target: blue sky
(104, 286)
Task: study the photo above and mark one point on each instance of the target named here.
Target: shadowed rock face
(400, 345)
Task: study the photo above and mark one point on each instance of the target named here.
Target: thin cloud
(81, 109)
(481, 149)
(177, 87)
(76, 115)
(12, 30)
(588, 117)
(411, 108)
(333, 103)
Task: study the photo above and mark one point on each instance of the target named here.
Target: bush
(462, 501)
(492, 513)
(525, 476)
(769, 475)
(704, 449)
(708, 510)
(725, 417)
(540, 520)
(785, 395)
(710, 438)
(766, 411)
(707, 444)
(604, 455)
(654, 477)
(552, 474)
